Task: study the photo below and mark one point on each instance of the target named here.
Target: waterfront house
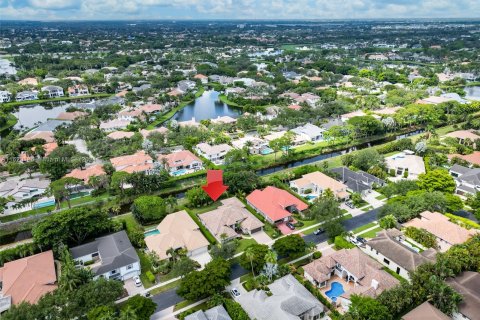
(137, 162)
(214, 153)
(313, 184)
(53, 91)
(180, 162)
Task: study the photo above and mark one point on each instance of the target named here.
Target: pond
(472, 93)
(29, 116)
(208, 106)
(6, 67)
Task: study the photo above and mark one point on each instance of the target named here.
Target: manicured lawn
(166, 287)
(145, 266)
(183, 304)
(364, 227)
(243, 244)
(371, 234)
(381, 197)
(367, 208)
(204, 209)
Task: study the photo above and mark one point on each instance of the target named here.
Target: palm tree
(250, 254)
(311, 248)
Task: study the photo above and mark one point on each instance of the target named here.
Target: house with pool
(313, 184)
(347, 272)
(180, 162)
(214, 153)
(254, 145)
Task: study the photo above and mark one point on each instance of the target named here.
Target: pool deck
(347, 286)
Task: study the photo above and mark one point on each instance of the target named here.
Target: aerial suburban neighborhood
(238, 169)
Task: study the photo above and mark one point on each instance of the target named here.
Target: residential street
(170, 298)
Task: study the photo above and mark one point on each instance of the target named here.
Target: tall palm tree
(311, 248)
(250, 254)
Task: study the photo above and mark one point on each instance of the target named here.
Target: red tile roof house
(275, 205)
(85, 174)
(148, 110)
(181, 162)
(27, 279)
(137, 162)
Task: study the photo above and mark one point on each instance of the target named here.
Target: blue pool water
(310, 197)
(336, 289)
(44, 204)
(179, 172)
(151, 232)
(266, 151)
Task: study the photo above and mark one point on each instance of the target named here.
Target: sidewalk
(161, 315)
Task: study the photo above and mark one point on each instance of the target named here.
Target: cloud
(238, 9)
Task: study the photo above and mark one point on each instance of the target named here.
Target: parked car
(137, 281)
(318, 231)
(350, 205)
(290, 225)
(361, 240)
(235, 293)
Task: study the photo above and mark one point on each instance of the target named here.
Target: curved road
(170, 298)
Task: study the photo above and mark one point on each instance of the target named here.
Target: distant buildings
(53, 91)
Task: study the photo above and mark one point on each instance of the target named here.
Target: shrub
(391, 172)
(341, 243)
(422, 236)
(300, 271)
(235, 311)
(405, 174)
(464, 222)
(317, 255)
(150, 276)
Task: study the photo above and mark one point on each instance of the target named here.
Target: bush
(464, 222)
(391, 172)
(150, 276)
(422, 236)
(18, 252)
(148, 209)
(341, 243)
(317, 255)
(300, 271)
(235, 311)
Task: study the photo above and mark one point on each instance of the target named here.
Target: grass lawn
(11, 121)
(367, 208)
(208, 208)
(166, 287)
(225, 100)
(130, 221)
(182, 304)
(371, 234)
(243, 244)
(145, 266)
(381, 197)
(202, 306)
(364, 227)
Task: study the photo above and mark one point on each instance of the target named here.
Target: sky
(235, 9)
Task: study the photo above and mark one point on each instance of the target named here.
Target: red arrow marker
(214, 187)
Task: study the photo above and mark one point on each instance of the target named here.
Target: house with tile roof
(53, 91)
(137, 162)
(466, 137)
(118, 135)
(214, 153)
(85, 174)
(215, 313)
(180, 162)
(467, 284)
(27, 279)
(114, 124)
(426, 311)
(357, 181)
(288, 300)
(313, 184)
(111, 257)
(446, 232)
(177, 231)
(230, 219)
(310, 132)
(466, 179)
(363, 274)
(391, 249)
(405, 163)
(162, 130)
(78, 90)
(274, 204)
(70, 116)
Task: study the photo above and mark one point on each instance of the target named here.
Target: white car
(235, 293)
(137, 281)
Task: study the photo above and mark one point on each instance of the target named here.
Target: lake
(6, 67)
(208, 106)
(472, 93)
(30, 115)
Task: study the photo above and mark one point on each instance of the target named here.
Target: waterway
(472, 93)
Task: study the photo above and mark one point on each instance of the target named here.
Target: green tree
(388, 222)
(253, 257)
(148, 209)
(290, 245)
(62, 189)
(102, 313)
(196, 197)
(437, 180)
(327, 210)
(143, 307)
(366, 308)
(119, 180)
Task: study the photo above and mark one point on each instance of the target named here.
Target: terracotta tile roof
(200, 76)
(180, 158)
(425, 311)
(473, 158)
(49, 147)
(139, 161)
(71, 115)
(440, 226)
(177, 230)
(272, 202)
(323, 181)
(85, 174)
(295, 107)
(463, 134)
(30, 278)
(231, 212)
(45, 135)
(117, 135)
(145, 133)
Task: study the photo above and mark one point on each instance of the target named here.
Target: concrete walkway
(166, 315)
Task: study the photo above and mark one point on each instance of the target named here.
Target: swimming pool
(336, 289)
(266, 151)
(179, 172)
(310, 197)
(151, 232)
(44, 204)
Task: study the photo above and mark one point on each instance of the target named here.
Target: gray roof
(386, 242)
(310, 130)
(356, 181)
(468, 285)
(115, 251)
(50, 125)
(289, 300)
(472, 177)
(215, 313)
(459, 169)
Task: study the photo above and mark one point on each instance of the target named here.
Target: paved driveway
(131, 288)
(203, 258)
(261, 237)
